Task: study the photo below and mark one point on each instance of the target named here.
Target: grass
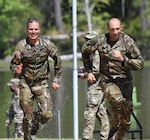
(146, 63)
(37, 139)
(4, 66)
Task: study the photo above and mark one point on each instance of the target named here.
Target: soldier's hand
(117, 54)
(55, 86)
(81, 75)
(91, 77)
(18, 69)
(18, 54)
(7, 123)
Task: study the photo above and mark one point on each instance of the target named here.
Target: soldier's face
(114, 29)
(33, 30)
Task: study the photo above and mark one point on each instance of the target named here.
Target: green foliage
(13, 16)
(132, 28)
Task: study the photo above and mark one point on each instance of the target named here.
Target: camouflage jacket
(35, 60)
(109, 65)
(95, 63)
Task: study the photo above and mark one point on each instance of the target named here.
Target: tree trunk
(143, 15)
(88, 14)
(58, 15)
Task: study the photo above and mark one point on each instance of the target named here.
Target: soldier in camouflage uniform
(15, 112)
(118, 56)
(95, 103)
(31, 64)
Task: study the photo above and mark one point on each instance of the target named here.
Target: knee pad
(45, 116)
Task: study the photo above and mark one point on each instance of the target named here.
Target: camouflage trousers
(40, 93)
(119, 95)
(18, 132)
(95, 108)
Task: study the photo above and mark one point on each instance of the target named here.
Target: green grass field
(36, 139)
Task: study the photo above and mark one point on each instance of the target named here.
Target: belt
(119, 80)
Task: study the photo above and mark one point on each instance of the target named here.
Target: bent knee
(45, 116)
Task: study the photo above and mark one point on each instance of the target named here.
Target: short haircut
(113, 19)
(31, 20)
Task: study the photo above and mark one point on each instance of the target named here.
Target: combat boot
(35, 122)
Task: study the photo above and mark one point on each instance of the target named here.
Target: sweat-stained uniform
(95, 105)
(115, 76)
(33, 80)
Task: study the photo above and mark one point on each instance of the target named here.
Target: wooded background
(56, 21)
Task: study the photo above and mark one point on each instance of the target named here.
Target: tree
(56, 19)
(58, 15)
(13, 16)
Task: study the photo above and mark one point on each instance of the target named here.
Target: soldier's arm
(54, 54)
(15, 63)
(133, 60)
(90, 46)
(87, 49)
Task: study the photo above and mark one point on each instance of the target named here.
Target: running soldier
(118, 56)
(95, 103)
(31, 64)
(15, 112)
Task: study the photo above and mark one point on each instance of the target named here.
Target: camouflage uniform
(95, 104)
(34, 81)
(15, 112)
(115, 76)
